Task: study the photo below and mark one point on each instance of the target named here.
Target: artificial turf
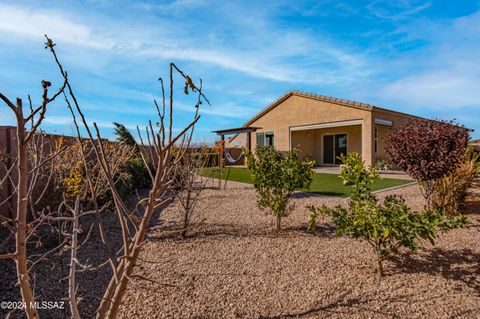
(325, 184)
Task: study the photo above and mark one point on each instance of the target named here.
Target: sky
(413, 56)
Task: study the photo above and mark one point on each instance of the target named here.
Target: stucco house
(322, 127)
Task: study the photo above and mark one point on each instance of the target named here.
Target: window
(260, 139)
(265, 139)
(269, 138)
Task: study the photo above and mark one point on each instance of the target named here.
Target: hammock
(232, 160)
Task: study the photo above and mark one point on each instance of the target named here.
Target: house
(322, 127)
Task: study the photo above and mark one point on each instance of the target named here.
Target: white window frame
(263, 136)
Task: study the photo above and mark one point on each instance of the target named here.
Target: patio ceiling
(237, 130)
(326, 125)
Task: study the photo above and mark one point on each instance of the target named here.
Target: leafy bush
(451, 191)
(68, 170)
(382, 164)
(276, 177)
(386, 227)
(355, 174)
(137, 172)
(312, 220)
(427, 150)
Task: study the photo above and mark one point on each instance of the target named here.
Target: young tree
(427, 150)
(189, 184)
(123, 134)
(276, 177)
(385, 227)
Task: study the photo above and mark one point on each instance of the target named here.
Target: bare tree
(165, 150)
(189, 184)
(41, 162)
(23, 189)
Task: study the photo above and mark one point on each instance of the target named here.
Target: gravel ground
(234, 265)
(48, 276)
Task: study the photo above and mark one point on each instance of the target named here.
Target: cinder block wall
(8, 152)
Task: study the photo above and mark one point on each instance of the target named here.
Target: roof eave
(358, 105)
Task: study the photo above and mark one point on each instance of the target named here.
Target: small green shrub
(382, 164)
(276, 177)
(386, 227)
(354, 173)
(312, 220)
(138, 172)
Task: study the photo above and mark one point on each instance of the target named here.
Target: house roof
(308, 95)
(236, 130)
(330, 99)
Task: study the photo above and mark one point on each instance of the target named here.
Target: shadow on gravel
(324, 230)
(212, 230)
(308, 194)
(460, 265)
(333, 308)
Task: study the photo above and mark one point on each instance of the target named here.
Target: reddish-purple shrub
(427, 149)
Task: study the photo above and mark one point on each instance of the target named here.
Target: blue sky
(420, 57)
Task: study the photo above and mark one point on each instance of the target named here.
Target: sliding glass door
(333, 147)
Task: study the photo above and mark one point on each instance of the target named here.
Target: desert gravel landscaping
(234, 265)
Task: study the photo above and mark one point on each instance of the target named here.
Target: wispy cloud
(445, 74)
(25, 21)
(385, 52)
(67, 121)
(273, 61)
(397, 9)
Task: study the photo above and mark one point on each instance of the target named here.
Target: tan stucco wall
(311, 142)
(296, 111)
(398, 119)
(382, 132)
(299, 110)
(237, 141)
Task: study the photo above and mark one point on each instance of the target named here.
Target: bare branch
(8, 256)
(9, 103)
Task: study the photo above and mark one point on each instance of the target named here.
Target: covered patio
(325, 142)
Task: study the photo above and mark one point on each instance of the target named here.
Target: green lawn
(325, 184)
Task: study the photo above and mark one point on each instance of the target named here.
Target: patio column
(368, 128)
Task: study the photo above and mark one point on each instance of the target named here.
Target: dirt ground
(234, 265)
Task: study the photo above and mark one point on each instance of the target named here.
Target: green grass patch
(325, 184)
